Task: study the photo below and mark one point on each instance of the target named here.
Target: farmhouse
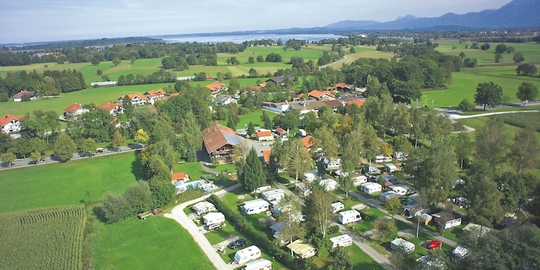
(136, 99)
(401, 243)
(273, 195)
(225, 99)
(321, 95)
(216, 87)
(301, 249)
(18, 97)
(264, 135)
(10, 123)
(203, 207)
(213, 218)
(370, 188)
(255, 206)
(113, 108)
(341, 241)
(247, 254)
(219, 142)
(279, 80)
(349, 217)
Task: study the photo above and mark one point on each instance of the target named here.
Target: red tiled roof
(109, 106)
(8, 118)
(265, 133)
(73, 108)
(317, 94)
(139, 95)
(280, 131)
(215, 86)
(308, 141)
(179, 175)
(157, 92)
(175, 94)
(342, 85)
(356, 101)
(266, 155)
(262, 84)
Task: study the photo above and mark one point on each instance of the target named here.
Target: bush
(333, 229)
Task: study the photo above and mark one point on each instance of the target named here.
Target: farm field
(42, 239)
(154, 243)
(68, 183)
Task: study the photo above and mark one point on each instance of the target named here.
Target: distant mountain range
(516, 14)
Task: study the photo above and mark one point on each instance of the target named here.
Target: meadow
(64, 184)
(154, 243)
(42, 239)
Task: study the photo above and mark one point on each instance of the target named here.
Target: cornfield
(42, 239)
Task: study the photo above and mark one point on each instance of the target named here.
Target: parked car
(241, 242)
(434, 244)
(213, 226)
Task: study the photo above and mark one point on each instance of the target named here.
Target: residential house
(225, 99)
(342, 87)
(155, 95)
(10, 123)
(306, 106)
(180, 176)
(358, 101)
(136, 99)
(113, 108)
(321, 95)
(281, 133)
(276, 107)
(334, 104)
(446, 220)
(308, 142)
(219, 142)
(264, 135)
(216, 87)
(18, 97)
(73, 110)
(279, 80)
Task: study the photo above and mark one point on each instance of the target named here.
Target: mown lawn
(68, 183)
(155, 243)
(193, 169)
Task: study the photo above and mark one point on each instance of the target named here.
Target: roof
(139, 95)
(308, 105)
(156, 92)
(349, 212)
(342, 85)
(308, 141)
(217, 136)
(281, 131)
(339, 238)
(73, 108)
(8, 118)
(179, 175)
(333, 103)
(109, 106)
(264, 133)
(223, 98)
(23, 92)
(318, 94)
(356, 101)
(215, 86)
(266, 155)
(301, 248)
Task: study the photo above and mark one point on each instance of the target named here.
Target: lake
(216, 38)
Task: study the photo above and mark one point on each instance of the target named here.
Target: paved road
(26, 162)
(457, 116)
(180, 216)
(378, 204)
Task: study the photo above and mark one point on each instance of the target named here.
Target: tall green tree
(384, 226)
(393, 206)
(64, 147)
(88, 145)
(352, 148)
(289, 219)
(295, 158)
(317, 210)
(518, 57)
(525, 150)
(484, 197)
(118, 140)
(128, 107)
(327, 141)
(527, 91)
(463, 149)
(190, 135)
(252, 175)
(492, 143)
(488, 94)
(116, 61)
(342, 260)
(345, 180)
(8, 158)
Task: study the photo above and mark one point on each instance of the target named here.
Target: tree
(141, 136)
(250, 129)
(352, 147)
(8, 158)
(138, 197)
(327, 141)
(95, 62)
(466, 105)
(268, 123)
(488, 94)
(526, 70)
(463, 148)
(527, 91)
(88, 145)
(115, 208)
(501, 48)
(498, 58)
(116, 61)
(403, 260)
(342, 260)
(162, 191)
(518, 58)
(252, 175)
(64, 147)
(393, 206)
(492, 144)
(485, 47)
(462, 55)
(524, 152)
(484, 198)
(190, 135)
(251, 60)
(289, 218)
(295, 158)
(384, 226)
(128, 107)
(317, 210)
(515, 191)
(35, 156)
(118, 140)
(345, 180)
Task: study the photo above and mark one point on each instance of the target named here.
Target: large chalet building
(219, 142)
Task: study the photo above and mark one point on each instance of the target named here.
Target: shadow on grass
(136, 167)
(99, 214)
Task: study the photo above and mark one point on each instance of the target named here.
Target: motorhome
(255, 206)
(341, 241)
(349, 216)
(247, 254)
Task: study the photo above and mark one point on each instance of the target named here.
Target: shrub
(333, 229)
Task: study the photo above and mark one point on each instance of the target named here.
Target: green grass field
(42, 239)
(155, 243)
(66, 184)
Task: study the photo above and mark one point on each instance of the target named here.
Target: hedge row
(258, 237)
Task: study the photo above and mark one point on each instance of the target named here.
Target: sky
(54, 20)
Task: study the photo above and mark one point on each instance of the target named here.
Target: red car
(434, 244)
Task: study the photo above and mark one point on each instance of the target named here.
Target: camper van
(370, 188)
(341, 241)
(273, 195)
(255, 206)
(401, 243)
(213, 218)
(260, 264)
(348, 217)
(337, 206)
(247, 254)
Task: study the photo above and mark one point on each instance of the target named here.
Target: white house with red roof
(321, 95)
(136, 99)
(10, 123)
(216, 87)
(179, 177)
(264, 135)
(155, 95)
(113, 108)
(74, 110)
